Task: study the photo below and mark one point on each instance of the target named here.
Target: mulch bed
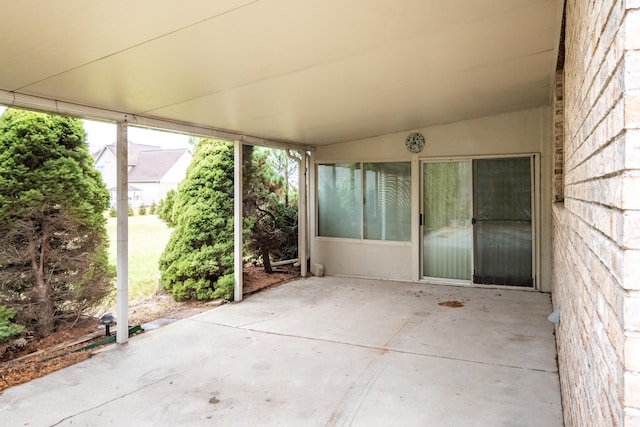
(255, 279)
(36, 358)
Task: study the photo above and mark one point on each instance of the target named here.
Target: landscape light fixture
(107, 320)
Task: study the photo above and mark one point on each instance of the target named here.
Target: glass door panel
(502, 221)
(447, 230)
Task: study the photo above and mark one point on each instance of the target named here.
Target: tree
(282, 165)
(197, 262)
(266, 203)
(53, 258)
(165, 208)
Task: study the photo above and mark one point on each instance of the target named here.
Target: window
(387, 201)
(377, 207)
(339, 200)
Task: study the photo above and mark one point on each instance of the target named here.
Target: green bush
(152, 208)
(142, 210)
(113, 212)
(197, 262)
(165, 208)
(130, 211)
(8, 330)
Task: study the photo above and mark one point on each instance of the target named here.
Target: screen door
(502, 225)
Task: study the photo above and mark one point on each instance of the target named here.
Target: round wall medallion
(415, 142)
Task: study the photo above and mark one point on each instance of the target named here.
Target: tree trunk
(45, 310)
(46, 317)
(266, 262)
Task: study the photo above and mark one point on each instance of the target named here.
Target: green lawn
(147, 238)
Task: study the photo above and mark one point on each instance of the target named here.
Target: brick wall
(558, 137)
(596, 231)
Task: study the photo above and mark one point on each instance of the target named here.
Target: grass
(148, 236)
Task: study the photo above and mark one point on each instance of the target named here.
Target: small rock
(20, 342)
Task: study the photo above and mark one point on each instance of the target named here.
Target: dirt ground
(27, 357)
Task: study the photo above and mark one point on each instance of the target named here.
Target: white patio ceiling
(307, 71)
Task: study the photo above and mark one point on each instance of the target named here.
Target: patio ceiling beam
(36, 103)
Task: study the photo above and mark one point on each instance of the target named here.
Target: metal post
(302, 213)
(311, 206)
(237, 220)
(122, 257)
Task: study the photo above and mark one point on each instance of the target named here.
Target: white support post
(311, 206)
(237, 221)
(122, 257)
(302, 213)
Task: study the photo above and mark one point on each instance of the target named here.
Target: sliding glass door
(447, 220)
(477, 221)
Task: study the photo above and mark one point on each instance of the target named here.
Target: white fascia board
(30, 102)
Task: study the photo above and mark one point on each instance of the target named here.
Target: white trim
(361, 241)
(30, 102)
(466, 284)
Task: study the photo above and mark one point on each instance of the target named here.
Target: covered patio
(320, 351)
(374, 96)
(346, 86)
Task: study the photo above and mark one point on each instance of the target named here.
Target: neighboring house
(152, 171)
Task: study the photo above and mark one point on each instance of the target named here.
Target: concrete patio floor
(320, 351)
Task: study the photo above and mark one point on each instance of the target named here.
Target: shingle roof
(134, 151)
(153, 165)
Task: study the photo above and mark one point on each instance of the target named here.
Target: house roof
(313, 72)
(153, 165)
(133, 151)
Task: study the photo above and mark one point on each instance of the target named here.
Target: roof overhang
(280, 71)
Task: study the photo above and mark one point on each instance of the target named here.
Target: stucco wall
(518, 132)
(596, 238)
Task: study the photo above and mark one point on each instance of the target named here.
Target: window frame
(362, 200)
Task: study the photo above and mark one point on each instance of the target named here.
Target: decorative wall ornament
(415, 142)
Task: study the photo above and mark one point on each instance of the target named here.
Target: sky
(100, 134)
